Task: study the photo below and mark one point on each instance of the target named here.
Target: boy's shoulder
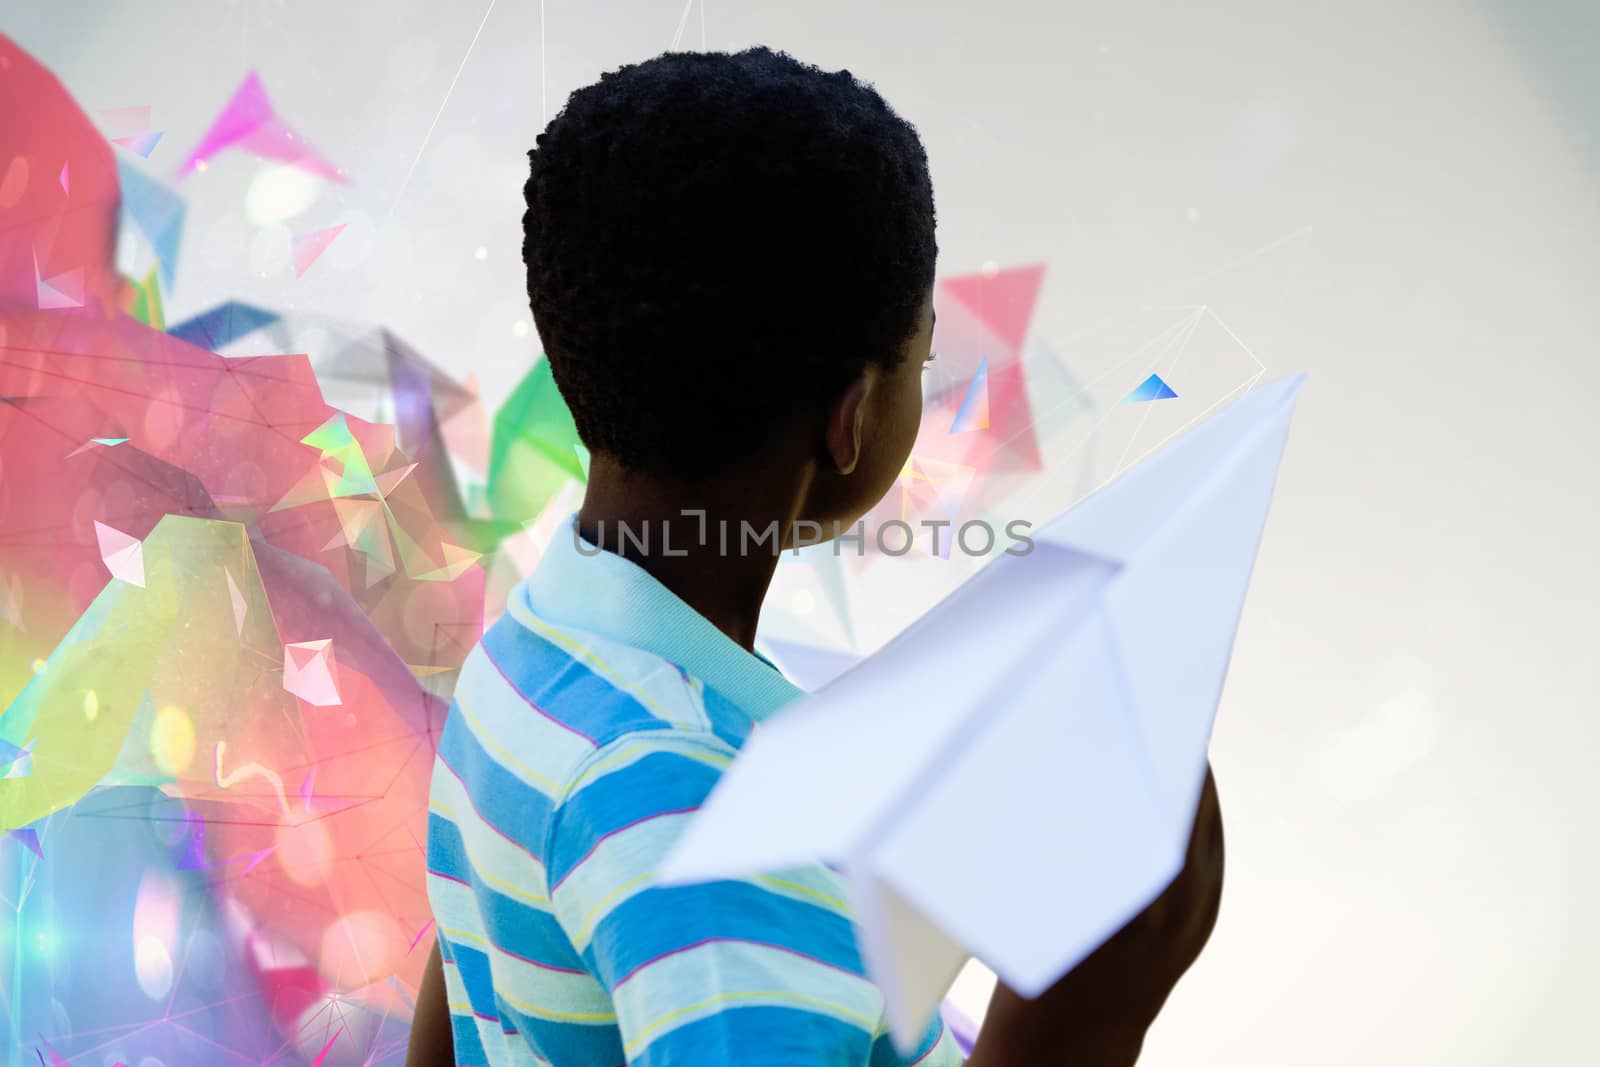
(555, 698)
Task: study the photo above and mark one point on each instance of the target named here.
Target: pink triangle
(143, 144)
(1003, 300)
(277, 141)
(62, 291)
(62, 178)
(247, 109)
(327, 1048)
(56, 1059)
(309, 246)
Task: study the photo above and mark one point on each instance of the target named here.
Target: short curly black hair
(713, 238)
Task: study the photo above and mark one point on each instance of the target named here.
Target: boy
(730, 263)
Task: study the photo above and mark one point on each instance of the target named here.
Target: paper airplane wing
(1016, 774)
(1117, 520)
(811, 783)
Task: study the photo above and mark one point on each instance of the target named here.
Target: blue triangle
(979, 389)
(222, 325)
(158, 213)
(1152, 388)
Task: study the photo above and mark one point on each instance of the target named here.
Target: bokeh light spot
(172, 739)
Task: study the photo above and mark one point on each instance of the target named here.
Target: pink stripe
(735, 941)
(612, 833)
(526, 700)
(540, 964)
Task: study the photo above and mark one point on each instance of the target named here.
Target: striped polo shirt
(587, 727)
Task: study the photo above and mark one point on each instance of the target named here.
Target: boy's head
(730, 259)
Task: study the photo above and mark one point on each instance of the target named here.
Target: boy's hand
(1097, 1015)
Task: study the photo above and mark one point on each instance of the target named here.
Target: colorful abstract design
(231, 616)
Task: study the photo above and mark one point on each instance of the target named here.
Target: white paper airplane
(1015, 775)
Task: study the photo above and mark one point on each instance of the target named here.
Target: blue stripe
(657, 921)
(593, 1045)
(729, 722)
(515, 808)
(517, 927)
(562, 686)
(655, 784)
(473, 965)
(759, 1036)
(469, 1044)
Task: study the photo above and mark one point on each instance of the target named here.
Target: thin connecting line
(683, 22)
(423, 147)
(1182, 346)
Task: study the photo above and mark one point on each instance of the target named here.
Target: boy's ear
(845, 422)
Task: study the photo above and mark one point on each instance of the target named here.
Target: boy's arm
(431, 1042)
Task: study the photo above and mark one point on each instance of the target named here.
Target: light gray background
(1399, 198)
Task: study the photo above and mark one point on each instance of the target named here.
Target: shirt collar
(580, 585)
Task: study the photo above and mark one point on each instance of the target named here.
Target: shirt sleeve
(752, 972)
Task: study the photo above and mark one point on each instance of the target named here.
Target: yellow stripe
(823, 1007)
(582, 652)
(488, 741)
(557, 1016)
(626, 752)
(499, 883)
(467, 936)
(833, 902)
(589, 920)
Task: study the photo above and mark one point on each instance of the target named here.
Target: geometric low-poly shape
(1152, 388)
(308, 672)
(144, 301)
(974, 411)
(222, 325)
(457, 561)
(388, 481)
(122, 553)
(1002, 300)
(307, 247)
(249, 121)
(532, 453)
(141, 144)
(64, 290)
(156, 212)
(29, 838)
(15, 762)
(56, 1058)
(323, 1055)
(236, 599)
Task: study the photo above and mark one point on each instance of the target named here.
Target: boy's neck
(725, 586)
